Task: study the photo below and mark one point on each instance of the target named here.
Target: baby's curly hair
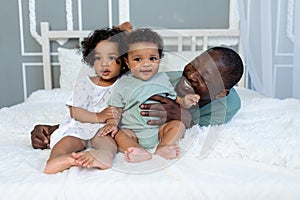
(111, 34)
(146, 35)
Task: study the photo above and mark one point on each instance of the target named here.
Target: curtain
(270, 35)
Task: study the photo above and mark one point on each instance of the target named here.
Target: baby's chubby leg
(101, 156)
(60, 157)
(169, 134)
(128, 144)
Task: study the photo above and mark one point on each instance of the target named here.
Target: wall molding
(288, 28)
(290, 20)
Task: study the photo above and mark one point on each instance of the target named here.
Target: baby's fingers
(107, 130)
(194, 98)
(100, 132)
(113, 133)
(103, 131)
(197, 96)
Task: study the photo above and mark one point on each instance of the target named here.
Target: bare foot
(168, 151)
(93, 159)
(59, 164)
(134, 155)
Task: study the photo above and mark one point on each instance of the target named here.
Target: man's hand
(40, 136)
(166, 109)
(160, 109)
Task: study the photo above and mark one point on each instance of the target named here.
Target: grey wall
(10, 64)
(154, 13)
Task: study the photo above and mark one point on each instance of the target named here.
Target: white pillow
(176, 61)
(71, 67)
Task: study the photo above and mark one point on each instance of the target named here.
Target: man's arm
(167, 110)
(40, 136)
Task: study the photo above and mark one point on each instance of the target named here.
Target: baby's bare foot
(168, 151)
(59, 164)
(134, 155)
(93, 159)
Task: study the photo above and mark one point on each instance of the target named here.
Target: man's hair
(146, 35)
(233, 64)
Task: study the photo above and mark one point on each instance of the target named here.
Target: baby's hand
(190, 100)
(108, 113)
(111, 129)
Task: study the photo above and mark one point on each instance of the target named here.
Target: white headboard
(185, 40)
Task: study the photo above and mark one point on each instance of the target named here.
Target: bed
(254, 156)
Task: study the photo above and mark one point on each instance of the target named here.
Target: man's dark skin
(40, 136)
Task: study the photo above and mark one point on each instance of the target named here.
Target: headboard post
(46, 55)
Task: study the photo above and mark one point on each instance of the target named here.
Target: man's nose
(193, 75)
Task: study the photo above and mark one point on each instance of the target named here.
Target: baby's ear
(126, 62)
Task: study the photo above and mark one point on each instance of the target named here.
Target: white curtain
(270, 34)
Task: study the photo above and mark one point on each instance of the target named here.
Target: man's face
(202, 77)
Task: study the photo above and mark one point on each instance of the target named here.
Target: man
(212, 75)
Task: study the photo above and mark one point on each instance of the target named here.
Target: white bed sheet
(256, 156)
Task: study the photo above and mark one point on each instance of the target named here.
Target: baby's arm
(111, 126)
(188, 101)
(85, 116)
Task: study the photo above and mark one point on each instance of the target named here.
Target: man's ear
(223, 93)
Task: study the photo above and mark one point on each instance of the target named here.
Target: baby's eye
(153, 58)
(112, 58)
(97, 58)
(137, 59)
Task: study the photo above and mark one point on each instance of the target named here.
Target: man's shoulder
(233, 103)
(233, 96)
(230, 102)
(219, 111)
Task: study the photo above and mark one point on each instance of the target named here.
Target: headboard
(179, 40)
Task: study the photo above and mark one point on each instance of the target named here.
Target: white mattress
(254, 156)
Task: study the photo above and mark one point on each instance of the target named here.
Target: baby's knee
(175, 124)
(124, 133)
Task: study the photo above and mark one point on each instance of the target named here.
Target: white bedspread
(254, 156)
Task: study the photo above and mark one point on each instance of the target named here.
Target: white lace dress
(88, 96)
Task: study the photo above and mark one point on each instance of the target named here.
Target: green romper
(129, 93)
